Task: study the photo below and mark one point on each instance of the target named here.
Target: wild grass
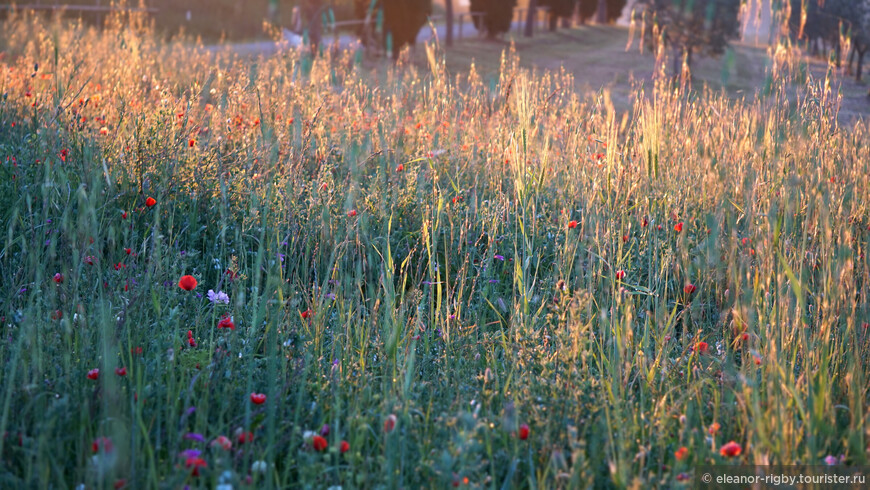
(451, 294)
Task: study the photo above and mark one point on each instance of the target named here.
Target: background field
(483, 278)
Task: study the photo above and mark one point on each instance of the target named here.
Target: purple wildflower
(194, 436)
(218, 297)
(190, 453)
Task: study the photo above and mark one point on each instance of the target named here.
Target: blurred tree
(273, 11)
(402, 20)
(607, 10)
(614, 10)
(312, 17)
(497, 17)
(531, 13)
(563, 9)
(587, 10)
(692, 26)
(448, 13)
(861, 38)
(821, 25)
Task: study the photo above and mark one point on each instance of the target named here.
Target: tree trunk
(860, 64)
(448, 12)
(311, 12)
(678, 62)
(530, 18)
(554, 21)
(602, 12)
(273, 11)
(851, 60)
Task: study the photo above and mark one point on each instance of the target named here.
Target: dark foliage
(824, 23)
(497, 16)
(691, 27)
(587, 10)
(558, 9)
(402, 19)
(614, 9)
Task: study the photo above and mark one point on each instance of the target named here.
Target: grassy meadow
(405, 276)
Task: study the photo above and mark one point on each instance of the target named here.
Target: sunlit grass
(451, 293)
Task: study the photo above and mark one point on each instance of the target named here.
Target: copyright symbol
(706, 478)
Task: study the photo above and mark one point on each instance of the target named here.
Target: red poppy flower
(390, 423)
(324, 186)
(224, 442)
(195, 464)
(94, 373)
(681, 453)
(119, 266)
(258, 398)
(572, 224)
(745, 241)
(57, 315)
(620, 274)
(123, 214)
(351, 213)
(89, 260)
(689, 288)
(319, 443)
(128, 251)
(191, 143)
(714, 428)
(243, 436)
(702, 347)
(150, 202)
(678, 227)
(344, 447)
(58, 278)
(187, 283)
(226, 322)
(644, 223)
(400, 167)
(119, 484)
(306, 313)
(624, 238)
(103, 444)
(524, 432)
(730, 449)
(121, 371)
